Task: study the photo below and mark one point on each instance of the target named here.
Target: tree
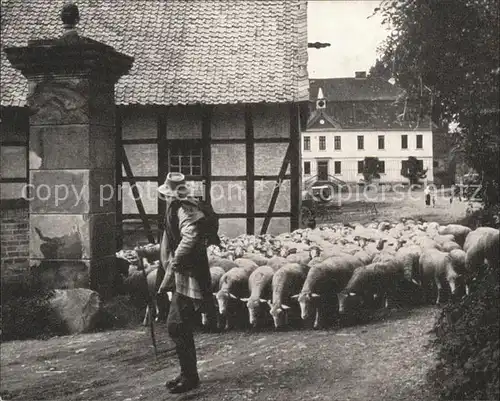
(445, 54)
(371, 169)
(381, 69)
(413, 169)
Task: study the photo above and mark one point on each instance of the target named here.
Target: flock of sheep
(312, 276)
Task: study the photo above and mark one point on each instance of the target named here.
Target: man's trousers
(181, 319)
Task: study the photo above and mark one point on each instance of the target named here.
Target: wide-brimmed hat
(175, 185)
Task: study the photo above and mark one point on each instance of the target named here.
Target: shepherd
(183, 254)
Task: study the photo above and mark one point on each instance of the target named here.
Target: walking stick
(150, 307)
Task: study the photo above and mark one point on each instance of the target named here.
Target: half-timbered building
(218, 91)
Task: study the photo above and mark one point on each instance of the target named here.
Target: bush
(467, 341)
(485, 217)
(26, 312)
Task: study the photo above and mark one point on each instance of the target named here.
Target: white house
(354, 118)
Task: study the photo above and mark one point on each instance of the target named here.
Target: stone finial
(70, 16)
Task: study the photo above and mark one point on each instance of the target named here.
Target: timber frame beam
(250, 169)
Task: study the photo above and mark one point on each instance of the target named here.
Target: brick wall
(14, 230)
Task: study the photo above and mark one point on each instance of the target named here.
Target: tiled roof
(354, 89)
(186, 52)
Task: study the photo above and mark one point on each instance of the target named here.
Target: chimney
(360, 74)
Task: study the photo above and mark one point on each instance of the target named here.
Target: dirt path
(392, 206)
(385, 359)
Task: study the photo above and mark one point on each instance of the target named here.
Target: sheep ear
(415, 281)
(264, 301)
(232, 296)
(244, 299)
(295, 296)
(285, 307)
(314, 295)
(351, 294)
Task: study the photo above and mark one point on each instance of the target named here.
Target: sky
(354, 38)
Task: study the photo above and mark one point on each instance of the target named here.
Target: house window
(14, 171)
(322, 143)
(404, 167)
(361, 142)
(360, 167)
(185, 159)
(404, 141)
(307, 168)
(381, 166)
(14, 149)
(337, 143)
(307, 143)
(435, 163)
(381, 142)
(420, 141)
(337, 168)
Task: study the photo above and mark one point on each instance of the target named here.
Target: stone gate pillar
(72, 155)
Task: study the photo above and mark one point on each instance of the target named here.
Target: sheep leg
(145, 322)
(439, 288)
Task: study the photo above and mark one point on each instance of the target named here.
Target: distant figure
(452, 193)
(427, 192)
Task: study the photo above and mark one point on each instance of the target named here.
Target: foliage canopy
(445, 54)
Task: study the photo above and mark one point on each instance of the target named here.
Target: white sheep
(233, 286)
(481, 246)
(449, 246)
(376, 279)
(276, 262)
(408, 257)
(302, 258)
(216, 273)
(288, 280)
(437, 269)
(260, 288)
(246, 264)
(459, 232)
(226, 264)
(324, 281)
(260, 260)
